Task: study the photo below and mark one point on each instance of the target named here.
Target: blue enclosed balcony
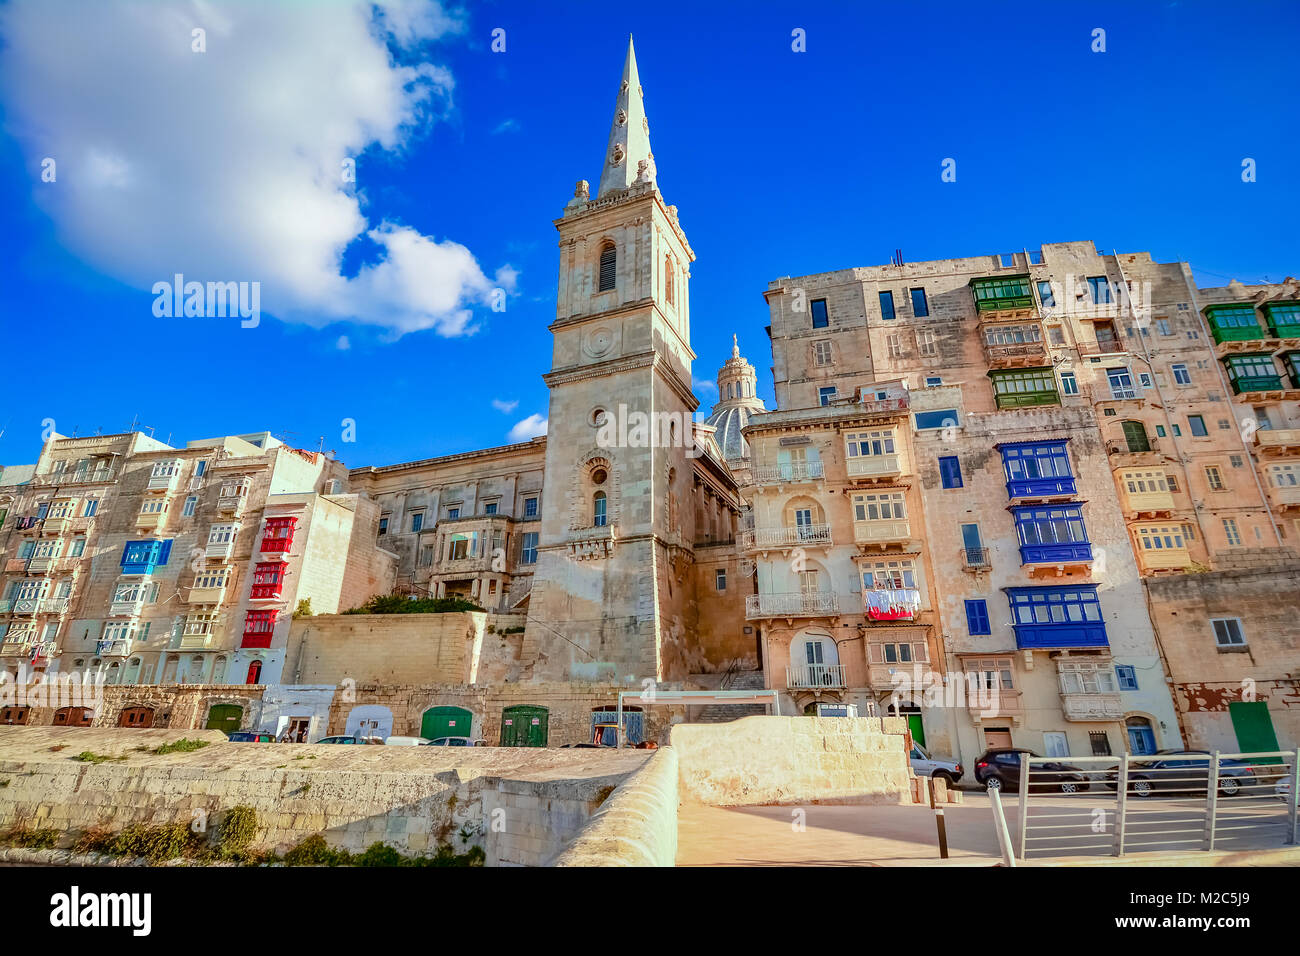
(1039, 469)
(1052, 534)
(1057, 618)
(141, 557)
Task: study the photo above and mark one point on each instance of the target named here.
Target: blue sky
(781, 163)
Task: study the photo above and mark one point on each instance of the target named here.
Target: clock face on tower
(599, 341)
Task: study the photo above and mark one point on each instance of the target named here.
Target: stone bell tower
(613, 577)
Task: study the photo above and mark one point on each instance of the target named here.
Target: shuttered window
(608, 264)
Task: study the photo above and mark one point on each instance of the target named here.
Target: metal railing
(1170, 802)
(792, 604)
(789, 472)
(815, 675)
(806, 534)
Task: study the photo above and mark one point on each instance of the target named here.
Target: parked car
(398, 741)
(349, 739)
(923, 765)
(251, 737)
(999, 769)
(1184, 771)
(1282, 789)
(456, 742)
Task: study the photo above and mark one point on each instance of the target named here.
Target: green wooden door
(523, 725)
(446, 722)
(1136, 436)
(224, 717)
(917, 728)
(1254, 727)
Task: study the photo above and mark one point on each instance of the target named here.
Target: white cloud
(343, 344)
(506, 126)
(505, 407)
(530, 427)
(227, 165)
(705, 385)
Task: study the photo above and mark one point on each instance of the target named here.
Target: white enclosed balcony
(164, 476)
(1085, 707)
(882, 531)
(792, 604)
(873, 466)
(221, 541)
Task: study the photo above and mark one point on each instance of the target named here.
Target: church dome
(737, 404)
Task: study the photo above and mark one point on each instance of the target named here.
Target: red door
(138, 717)
(254, 672)
(73, 717)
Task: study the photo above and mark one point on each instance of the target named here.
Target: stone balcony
(815, 676)
(991, 702)
(793, 604)
(882, 531)
(1085, 707)
(790, 473)
(151, 520)
(779, 539)
(1278, 442)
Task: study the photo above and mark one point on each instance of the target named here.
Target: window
(883, 506)
(490, 508)
(92, 505)
(191, 503)
(668, 279)
(530, 507)
(822, 352)
(950, 471)
(529, 553)
(1230, 530)
(154, 506)
(820, 318)
(825, 395)
(940, 418)
(1214, 477)
(140, 557)
(383, 525)
(453, 514)
(1197, 424)
(78, 547)
(933, 381)
(1099, 287)
(1227, 632)
(920, 308)
(608, 268)
(1144, 379)
(1069, 384)
(1045, 294)
(1061, 524)
(1054, 605)
(268, 579)
(258, 628)
(977, 617)
(888, 575)
(461, 546)
(1250, 373)
(895, 345)
(1126, 675)
(1035, 386)
(1121, 383)
(200, 469)
(1012, 335)
(720, 579)
(1153, 538)
(426, 555)
(417, 521)
(886, 305)
(599, 515)
(1083, 677)
(1235, 461)
(212, 579)
(925, 343)
(1031, 463)
(278, 535)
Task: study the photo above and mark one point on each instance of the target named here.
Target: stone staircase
(725, 713)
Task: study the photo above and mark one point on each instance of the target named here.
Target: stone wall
(176, 706)
(521, 805)
(370, 648)
(569, 707)
(1208, 679)
(763, 761)
(637, 825)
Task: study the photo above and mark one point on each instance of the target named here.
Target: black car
(251, 737)
(1184, 771)
(1000, 769)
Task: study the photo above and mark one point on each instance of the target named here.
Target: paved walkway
(1062, 829)
(834, 835)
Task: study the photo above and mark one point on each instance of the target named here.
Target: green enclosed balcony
(1002, 294)
(1253, 373)
(1283, 319)
(1233, 323)
(1023, 388)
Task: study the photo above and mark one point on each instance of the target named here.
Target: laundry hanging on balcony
(891, 604)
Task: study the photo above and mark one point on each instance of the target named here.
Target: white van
(406, 742)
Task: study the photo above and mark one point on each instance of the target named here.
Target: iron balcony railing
(815, 675)
(792, 604)
(975, 558)
(789, 472)
(800, 535)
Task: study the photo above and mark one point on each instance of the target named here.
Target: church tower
(614, 583)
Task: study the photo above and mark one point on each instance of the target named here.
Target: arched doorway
(915, 723)
(446, 722)
(74, 717)
(137, 717)
(1141, 735)
(224, 717)
(254, 672)
(524, 725)
(814, 661)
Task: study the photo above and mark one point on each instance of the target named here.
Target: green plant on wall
(303, 609)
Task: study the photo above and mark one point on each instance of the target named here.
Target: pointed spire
(629, 136)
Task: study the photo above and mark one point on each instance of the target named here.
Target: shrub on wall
(401, 604)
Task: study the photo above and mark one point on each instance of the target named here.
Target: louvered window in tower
(608, 262)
